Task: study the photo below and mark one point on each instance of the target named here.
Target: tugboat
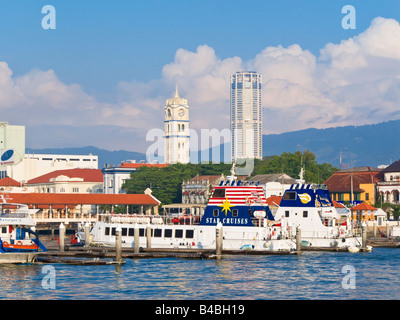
(240, 207)
(19, 243)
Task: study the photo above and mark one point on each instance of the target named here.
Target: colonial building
(274, 184)
(115, 176)
(354, 185)
(389, 187)
(198, 189)
(177, 138)
(69, 181)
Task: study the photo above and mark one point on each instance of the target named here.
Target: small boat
(19, 243)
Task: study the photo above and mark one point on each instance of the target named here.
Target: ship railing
(152, 219)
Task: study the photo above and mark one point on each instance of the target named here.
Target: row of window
(156, 233)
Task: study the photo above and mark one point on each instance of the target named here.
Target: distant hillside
(105, 156)
(368, 145)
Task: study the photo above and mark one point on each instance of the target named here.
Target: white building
(246, 115)
(274, 184)
(389, 187)
(35, 165)
(69, 181)
(114, 177)
(177, 138)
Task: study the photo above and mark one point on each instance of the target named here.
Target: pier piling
(148, 236)
(118, 244)
(61, 235)
(218, 240)
(87, 235)
(298, 239)
(136, 238)
(364, 235)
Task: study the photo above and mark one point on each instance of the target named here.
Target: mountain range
(349, 146)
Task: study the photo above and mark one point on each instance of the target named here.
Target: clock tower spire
(177, 136)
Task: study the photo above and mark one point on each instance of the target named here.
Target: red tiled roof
(9, 182)
(274, 200)
(88, 175)
(363, 206)
(138, 165)
(80, 198)
(341, 181)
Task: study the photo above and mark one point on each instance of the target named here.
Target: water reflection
(311, 275)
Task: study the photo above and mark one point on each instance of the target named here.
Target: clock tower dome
(177, 136)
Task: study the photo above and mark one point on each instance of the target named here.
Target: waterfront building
(198, 189)
(69, 181)
(177, 138)
(246, 115)
(389, 186)
(356, 184)
(274, 184)
(115, 176)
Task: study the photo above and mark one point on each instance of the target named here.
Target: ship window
(235, 212)
(219, 193)
(4, 230)
(124, 231)
(215, 213)
(131, 232)
(113, 232)
(178, 233)
(189, 233)
(305, 214)
(287, 214)
(157, 233)
(290, 195)
(107, 231)
(168, 233)
(141, 232)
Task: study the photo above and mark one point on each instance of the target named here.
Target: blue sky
(111, 58)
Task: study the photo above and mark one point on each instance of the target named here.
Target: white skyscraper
(177, 139)
(246, 115)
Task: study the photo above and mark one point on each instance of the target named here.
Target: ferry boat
(247, 222)
(241, 208)
(310, 207)
(19, 243)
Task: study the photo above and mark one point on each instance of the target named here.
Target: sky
(102, 76)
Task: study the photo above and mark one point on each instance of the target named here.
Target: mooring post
(298, 239)
(387, 229)
(218, 240)
(136, 238)
(118, 244)
(148, 236)
(374, 228)
(61, 237)
(364, 235)
(87, 234)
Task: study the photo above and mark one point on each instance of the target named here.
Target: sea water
(311, 275)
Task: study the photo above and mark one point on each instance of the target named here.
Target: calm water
(313, 275)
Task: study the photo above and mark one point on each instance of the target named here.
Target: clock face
(181, 112)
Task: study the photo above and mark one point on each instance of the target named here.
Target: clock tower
(177, 136)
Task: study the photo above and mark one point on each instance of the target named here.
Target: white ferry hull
(18, 257)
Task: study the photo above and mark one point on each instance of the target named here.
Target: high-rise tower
(177, 138)
(246, 115)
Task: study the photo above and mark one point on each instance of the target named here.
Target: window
(178, 233)
(305, 214)
(141, 232)
(113, 233)
(215, 213)
(75, 189)
(157, 233)
(235, 212)
(287, 214)
(124, 231)
(219, 193)
(168, 233)
(289, 195)
(189, 233)
(131, 232)
(107, 231)
(366, 196)
(3, 229)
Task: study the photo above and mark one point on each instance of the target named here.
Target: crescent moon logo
(305, 198)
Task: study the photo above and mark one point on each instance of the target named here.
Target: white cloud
(353, 82)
